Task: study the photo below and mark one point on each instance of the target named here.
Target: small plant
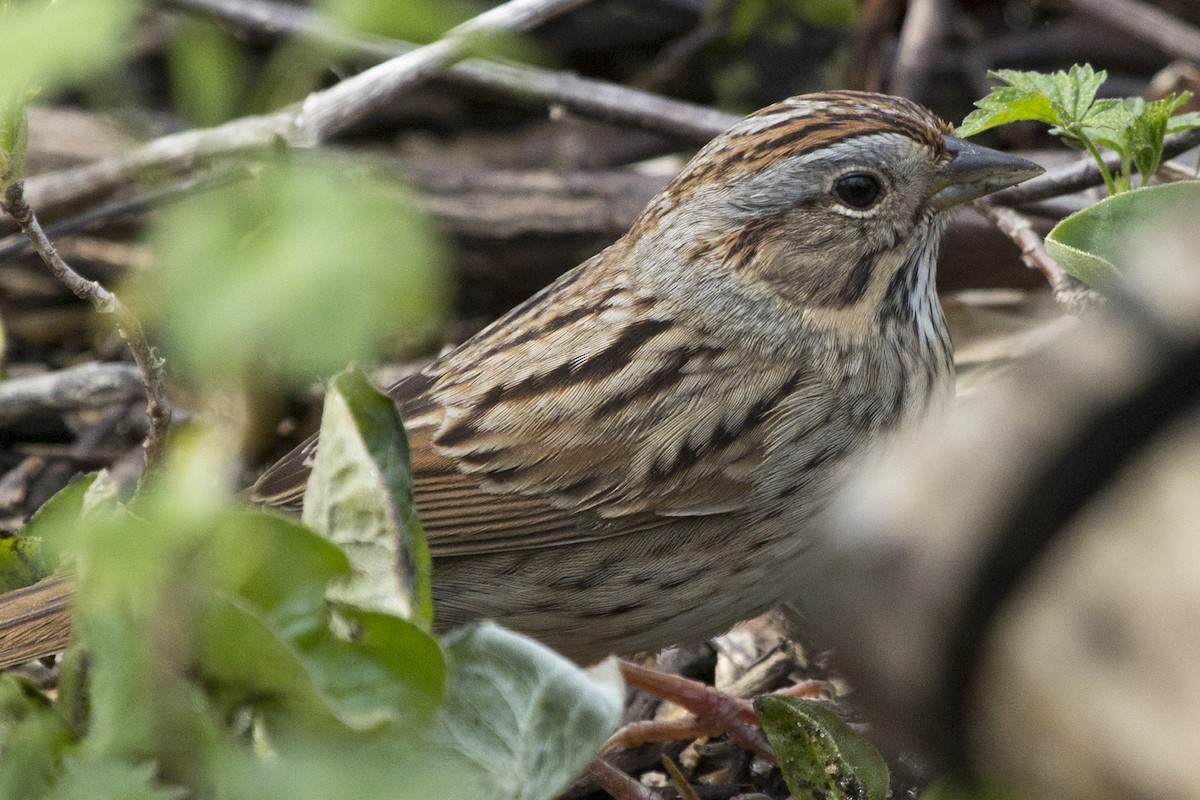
(1130, 127)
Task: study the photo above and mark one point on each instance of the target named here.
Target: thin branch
(594, 99)
(1083, 174)
(617, 783)
(1144, 22)
(921, 38)
(105, 302)
(318, 116)
(92, 385)
(1068, 292)
(324, 113)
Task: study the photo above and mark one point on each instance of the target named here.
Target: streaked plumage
(629, 458)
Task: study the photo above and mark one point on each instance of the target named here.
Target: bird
(634, 457)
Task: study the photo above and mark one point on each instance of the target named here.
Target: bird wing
(579, 415)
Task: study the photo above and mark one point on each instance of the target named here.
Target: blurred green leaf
(820, 756)
(20, 561)
(56, 523)
(1091, 243)
(208, 73)
(305, 268)
(420, 21)
(832, 13)
(14, 137)
(85, 778)
(33, 738)
(519, 719)
(973, 790)
(360, 496)
(48, 45)
(264, 640)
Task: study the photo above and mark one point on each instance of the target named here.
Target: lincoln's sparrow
(629, 459)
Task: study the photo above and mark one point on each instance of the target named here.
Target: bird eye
(858, 190)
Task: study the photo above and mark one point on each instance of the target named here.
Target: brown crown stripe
(797, 132)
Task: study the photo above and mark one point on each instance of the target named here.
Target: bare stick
(105, 302)
(318, 116)
(325, 113)
(921, 37)
(594, 99)
(1068, 292)
(617, 783)
(92, 385)
(1142, 21)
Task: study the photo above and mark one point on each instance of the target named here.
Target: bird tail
(35, 621)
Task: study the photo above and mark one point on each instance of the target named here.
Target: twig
(117, 210)
(318, 116)
(600, 100)
(85, 386)
(617, 783)
(921, 37)
(1083, 174)
(158, 410)
(1168, 33)
(1068, 292)
(324, 113)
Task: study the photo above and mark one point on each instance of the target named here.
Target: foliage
(208, 660)
(1132, 128)
(47, 45)
(43, 46)
(820, 756)
(253, 272)
(1092, 244)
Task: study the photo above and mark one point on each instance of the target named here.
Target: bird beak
(974, 171)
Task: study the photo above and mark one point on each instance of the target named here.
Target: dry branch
(585, 97)
(1144, 22)
(85, 386)
(318, 116)
(158, 410)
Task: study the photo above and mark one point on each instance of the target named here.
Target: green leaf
(1184, 122)
(14, 136)
(519, 719)
(34, 551)
(1147, 131)
(1073, 92)
(304, 268)
(48, 45)
(412, 20)
(33, 738)
(1007, 104)
(207, 72)
(820, 756)
(1107, 122)
(1091, 244)
(55, 525)
(1062, 99)
(86, 778)
(981, 789)
(360, 496)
